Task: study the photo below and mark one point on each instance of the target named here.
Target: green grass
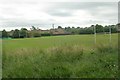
(61, 56)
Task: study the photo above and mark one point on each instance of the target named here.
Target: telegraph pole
(110, 34)
(26, 33)
(52, 34)
(53, 26)
(19, 34)
(94, 34)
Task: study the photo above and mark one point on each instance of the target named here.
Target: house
(33, 33)
(40, 32)
(10, 33)
(44, 31)
(58, 31)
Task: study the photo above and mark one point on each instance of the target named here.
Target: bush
(36, 34)
(45, 34)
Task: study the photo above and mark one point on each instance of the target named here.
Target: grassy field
(61, 56)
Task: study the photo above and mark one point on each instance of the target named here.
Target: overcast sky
(27, 13)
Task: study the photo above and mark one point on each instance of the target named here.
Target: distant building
(58, 31)
(10, 33)
(33, 32)
(39, 32)
(44, 31)
(118, 27)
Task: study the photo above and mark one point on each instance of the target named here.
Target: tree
(36, 34)
(46, 34)
(33, 28)
(73, 27)
(23, 33)
(59, 27)
(0, 34)
(87, 30)
(4, 34)
(99, 28)
(24, 29)
(11, 33)
(113, 28)
(106, 29)
(16, 33)
(68, 27)
(65, 28)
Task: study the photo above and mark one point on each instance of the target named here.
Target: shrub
(45, 34)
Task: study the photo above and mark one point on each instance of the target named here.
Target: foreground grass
(63, 61)
(60, 56)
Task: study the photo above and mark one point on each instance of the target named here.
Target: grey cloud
(27, 23)
(19, 2)
(101, 11)
(80, 5)
(94, 8)
(57, 12)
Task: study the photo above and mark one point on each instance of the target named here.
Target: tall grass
(63, 61)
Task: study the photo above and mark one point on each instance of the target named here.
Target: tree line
(90, 30)
(24, 33)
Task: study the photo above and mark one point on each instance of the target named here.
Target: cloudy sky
(27, 13)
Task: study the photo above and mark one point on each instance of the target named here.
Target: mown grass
(47, 42)
(67, 60)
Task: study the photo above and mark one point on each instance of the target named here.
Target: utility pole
(53, 34)
(19, 34)
(94, 34)
(53, 26)
(110, 34)
(26, 33)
